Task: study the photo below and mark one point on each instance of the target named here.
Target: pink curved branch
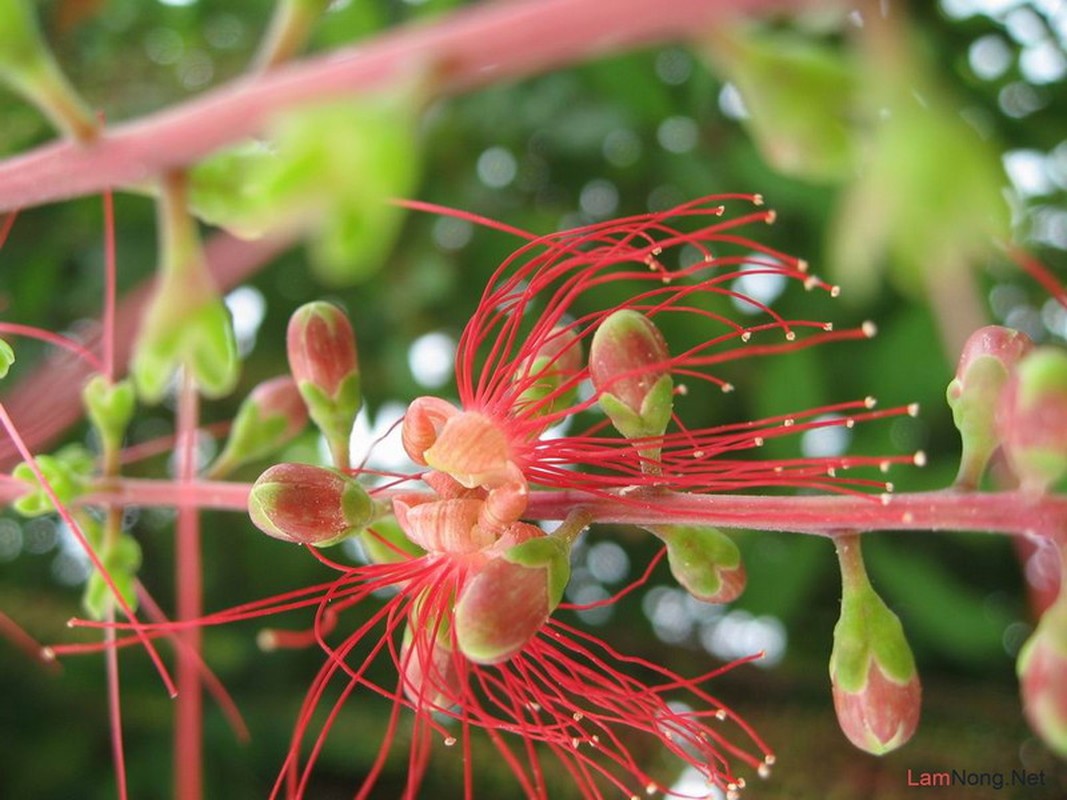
(475, 46)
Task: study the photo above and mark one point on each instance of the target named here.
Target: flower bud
(875, 684)
(386, 543)
(989, 357)
(272, 415)
(7, 358)
(544, 374)
(322, 359)
(510, 598)
(704, 561)
(1042, 667)
(310, 505)
(186, 323)
(109, 407)
(1032, 419)
(429, 667)
(628, 364)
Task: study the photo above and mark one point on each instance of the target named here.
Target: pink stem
(482, 44)
(1012, 512)
(114, 708)
(188, 730)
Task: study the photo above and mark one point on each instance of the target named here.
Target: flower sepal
(705, 561)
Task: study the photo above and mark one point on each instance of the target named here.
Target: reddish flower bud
(1032, 419)
(310, 505)
(1042, 667)
(511, 597)
(872, 671)
(628, 361)
(989, 357)
(429, 670)
(272, 415)
(322, 359)
(705, 561)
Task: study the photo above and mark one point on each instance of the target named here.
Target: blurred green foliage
(611, 137)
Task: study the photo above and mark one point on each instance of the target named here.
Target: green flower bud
(272, 415)
(875, 684)
(705, 561)
(110, 408)
(186, 323)
(68, 472)
(510, 598)
(7, 358)
(121, 559)
(309, 505)
(628, 362)
(386, 543)
(1032, 419)
(988, 359)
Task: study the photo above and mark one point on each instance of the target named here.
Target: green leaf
(329, 169)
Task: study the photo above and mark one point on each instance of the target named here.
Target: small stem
(850, 557)
(288, 32)
(188, 729)
(571, 528)
(114, 705)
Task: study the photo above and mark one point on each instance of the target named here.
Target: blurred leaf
(330, 169)
(798, 93)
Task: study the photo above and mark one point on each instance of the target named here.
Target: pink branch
(476, 46)
(825, 515)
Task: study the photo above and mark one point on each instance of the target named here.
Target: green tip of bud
(322, 359)
(1042, 666)
(507, 601)
(988, 359)
(309, 505)
(704, 561)
(272, 415)
(628, 361)
(1032, 419)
